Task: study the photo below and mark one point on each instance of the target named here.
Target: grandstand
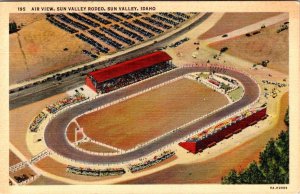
(148, 163)
(125, 73)
(213, 135)
(95, 172)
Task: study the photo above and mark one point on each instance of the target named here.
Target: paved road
(51, 88)
(55, 130)
(250, 28)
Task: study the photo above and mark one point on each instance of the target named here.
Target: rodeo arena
(57, 127)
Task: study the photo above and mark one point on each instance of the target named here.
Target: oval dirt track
(55, 130)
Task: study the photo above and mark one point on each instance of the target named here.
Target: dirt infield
(71, 132)
(267, 45)
(212, 170)
(234, 21)
(32, 55)
(13, 158)
(89, 146)
(151, 114)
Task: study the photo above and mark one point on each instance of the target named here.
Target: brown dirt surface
(268, 45)
(54, 167)
(234, 21)
(38, 49)
(71, 132)
(212, 170)
(13, 158)
(24, 19)
(142, 118)
(20, 119)
(42, 180)
(27, 170)
(90, 146)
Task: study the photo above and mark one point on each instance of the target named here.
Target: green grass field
(236, 94)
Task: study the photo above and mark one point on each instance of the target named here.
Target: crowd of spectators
(95, 172)
(128, 79)
(222, 126)
(211, 131)
(37, 122)
(53, 108)
(157, 159)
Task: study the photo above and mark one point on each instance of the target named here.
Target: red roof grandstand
(198, 143)
(127, 67)
(130, 66)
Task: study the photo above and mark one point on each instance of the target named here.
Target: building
(125, 73)
(224, 130)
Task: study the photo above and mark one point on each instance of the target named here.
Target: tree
(286, 118)
(266, 157)
(252, 175)
(232, 178)
(272, 168)
(13, 27)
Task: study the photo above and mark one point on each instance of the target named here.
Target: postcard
(143, 97)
